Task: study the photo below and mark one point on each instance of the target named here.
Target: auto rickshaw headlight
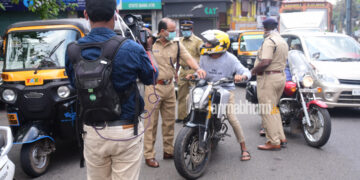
(9, 95)
(307, 81)
(249, 61)
(63, 91)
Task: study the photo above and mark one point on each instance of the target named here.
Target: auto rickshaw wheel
(35, 158)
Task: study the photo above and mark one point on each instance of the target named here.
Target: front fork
(303, 104)
(203, 135)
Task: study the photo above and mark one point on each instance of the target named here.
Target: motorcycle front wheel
(190, 162)
(33, 161)
(318, 133)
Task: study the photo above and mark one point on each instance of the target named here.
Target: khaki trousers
(183, 91)
(233, 120)
(269, 90)
(116, 160)
(166, 108)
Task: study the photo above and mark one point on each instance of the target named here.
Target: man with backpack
(103, 67)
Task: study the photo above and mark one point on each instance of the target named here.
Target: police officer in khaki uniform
(269, 68)
(165, 53)
(192, 44)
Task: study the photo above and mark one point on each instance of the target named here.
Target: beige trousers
(112, 160)
(183, 91)
(269, 90)
(233, 120)
(166, 108)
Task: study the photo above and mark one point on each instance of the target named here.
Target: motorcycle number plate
(13, 119)
(356, 92)
(34, 81)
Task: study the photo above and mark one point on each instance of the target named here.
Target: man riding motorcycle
(218, 63)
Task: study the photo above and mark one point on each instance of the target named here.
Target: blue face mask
(171, 36)
(186, 34)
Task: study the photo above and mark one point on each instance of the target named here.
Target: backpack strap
(107, 49)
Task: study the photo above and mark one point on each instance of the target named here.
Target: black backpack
(98, 99)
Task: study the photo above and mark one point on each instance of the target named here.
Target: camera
(135, 29)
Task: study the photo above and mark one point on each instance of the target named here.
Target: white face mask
(267, 33)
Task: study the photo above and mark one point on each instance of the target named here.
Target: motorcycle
(203, 128)
(7, 170)
(299, 107)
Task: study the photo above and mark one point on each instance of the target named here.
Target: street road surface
(338, 159)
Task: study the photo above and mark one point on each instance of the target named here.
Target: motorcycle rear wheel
(33, 162)
(318, 133)
(189, 162)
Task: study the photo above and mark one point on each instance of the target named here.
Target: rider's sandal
(242, 157)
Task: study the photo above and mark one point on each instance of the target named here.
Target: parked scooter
(299, 106)
(204, 127)
(7, 168)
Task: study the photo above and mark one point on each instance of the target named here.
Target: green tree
(339, 14)
(46, 8)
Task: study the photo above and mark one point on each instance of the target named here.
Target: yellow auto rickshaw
(40, 103)
(249, 42)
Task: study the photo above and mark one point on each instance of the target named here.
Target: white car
(336, 62)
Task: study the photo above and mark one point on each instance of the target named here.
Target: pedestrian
(219, 63)
(192, 44)
(103, 67)
(166, 52)
(270, 76)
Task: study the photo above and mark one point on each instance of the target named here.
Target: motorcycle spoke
(192, 166)
(188, 164)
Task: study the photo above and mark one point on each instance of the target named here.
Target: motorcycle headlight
(197, 94)
(307, 81)
(328, 78)
(9, 95)
(63, 91)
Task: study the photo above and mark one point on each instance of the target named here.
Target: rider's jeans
(106, 159)
(233, 120)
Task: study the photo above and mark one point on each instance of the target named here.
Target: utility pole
(348, 17)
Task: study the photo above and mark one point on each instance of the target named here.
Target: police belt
(186, 68)
(128, 123)
(269, 72)
(164, 82)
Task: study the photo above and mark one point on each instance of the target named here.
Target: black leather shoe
(179, 120)
(283, 143)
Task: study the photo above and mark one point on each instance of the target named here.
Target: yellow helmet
(218, 39)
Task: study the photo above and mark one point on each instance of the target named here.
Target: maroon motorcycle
(299, 107)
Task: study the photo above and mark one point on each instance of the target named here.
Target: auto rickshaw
(40, 103)
(249, 43)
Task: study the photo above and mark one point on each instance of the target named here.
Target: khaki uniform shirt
(192, 45)
(165, 54)
(266, 51)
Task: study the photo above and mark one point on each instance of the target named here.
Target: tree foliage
(339, 14)
(46, 8)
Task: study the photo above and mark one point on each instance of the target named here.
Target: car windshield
(333, 48)
(251, 42)
(37, 49)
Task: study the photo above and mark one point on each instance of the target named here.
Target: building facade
(249, 14)
(206, 14)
